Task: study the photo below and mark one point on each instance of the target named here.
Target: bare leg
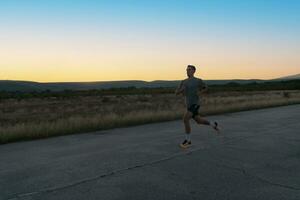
(186, 119)
(201, 120)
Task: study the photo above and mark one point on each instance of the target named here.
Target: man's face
(190, 71)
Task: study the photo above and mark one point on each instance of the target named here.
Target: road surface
(257, 157)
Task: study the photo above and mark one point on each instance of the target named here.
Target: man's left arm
(203, 88)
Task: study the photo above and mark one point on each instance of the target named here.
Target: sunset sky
(80, 40)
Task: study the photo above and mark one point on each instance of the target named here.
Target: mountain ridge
(13, 85)
(27, 86)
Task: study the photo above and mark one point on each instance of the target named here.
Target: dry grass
(39, 118)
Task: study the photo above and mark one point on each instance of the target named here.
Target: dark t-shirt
(191, 86)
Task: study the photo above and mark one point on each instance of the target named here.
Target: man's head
(190, 70)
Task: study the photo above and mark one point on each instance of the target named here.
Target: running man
(190, 88)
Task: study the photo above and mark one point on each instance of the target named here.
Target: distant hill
(296, 76)
(27, 86)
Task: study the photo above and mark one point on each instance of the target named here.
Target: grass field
(44, 117)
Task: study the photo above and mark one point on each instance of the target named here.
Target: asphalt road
(257, 157)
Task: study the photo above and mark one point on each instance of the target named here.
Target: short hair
(192, 66)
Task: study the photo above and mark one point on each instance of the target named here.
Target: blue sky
(227, 35)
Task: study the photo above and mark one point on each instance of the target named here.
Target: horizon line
(134, 80)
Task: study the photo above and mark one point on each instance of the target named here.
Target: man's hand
(180, 89)
(204, 91)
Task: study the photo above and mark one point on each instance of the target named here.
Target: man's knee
(200, 120)
(197, 120)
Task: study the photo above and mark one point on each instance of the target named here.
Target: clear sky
(80, 40)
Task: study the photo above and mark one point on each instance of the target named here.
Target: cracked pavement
(256, 157)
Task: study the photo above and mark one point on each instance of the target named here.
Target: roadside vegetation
(26, 116)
